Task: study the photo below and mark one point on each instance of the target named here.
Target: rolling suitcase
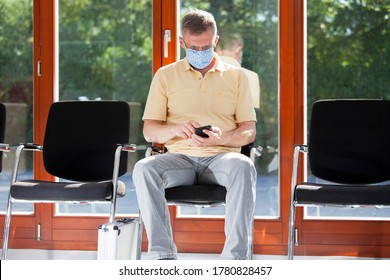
(120, 240)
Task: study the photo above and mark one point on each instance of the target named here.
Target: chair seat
(334, 194)
(64, 191)
(196, 194)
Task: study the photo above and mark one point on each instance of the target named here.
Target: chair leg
(291, 231)
(7, 224)
(251, 249)
(139, 245)
(250, 257)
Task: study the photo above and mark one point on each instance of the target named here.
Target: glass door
(16, 90)
(347, 53)
(255, 35)
(105, 53)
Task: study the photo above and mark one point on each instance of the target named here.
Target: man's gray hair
(198, 21)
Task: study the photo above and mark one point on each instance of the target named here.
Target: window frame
(317, 237)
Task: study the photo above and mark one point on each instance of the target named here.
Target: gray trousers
(152, 175)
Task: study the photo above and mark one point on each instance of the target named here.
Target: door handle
(167, 39)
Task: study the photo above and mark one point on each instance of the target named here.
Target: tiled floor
(36, 264)
(19, 254)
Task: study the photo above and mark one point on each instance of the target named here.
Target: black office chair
(203, 196)
(349, 148)
(84, 145)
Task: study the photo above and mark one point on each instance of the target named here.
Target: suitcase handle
(126, 220)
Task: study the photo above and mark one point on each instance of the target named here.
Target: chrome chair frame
(292, 239)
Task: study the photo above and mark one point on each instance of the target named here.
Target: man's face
(199, 42)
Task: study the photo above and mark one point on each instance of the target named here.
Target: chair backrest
(2, 130)
(81, 138)
(349, 140)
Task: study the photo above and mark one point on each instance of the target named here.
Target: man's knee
(244, 165)
(141, 169)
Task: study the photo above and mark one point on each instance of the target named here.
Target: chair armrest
(4, 147)
(154, 150)
(256, 151)
(301, 148)
(131, 148)
(18, 152)
(31, 147)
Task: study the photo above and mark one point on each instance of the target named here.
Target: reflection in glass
(16, 89)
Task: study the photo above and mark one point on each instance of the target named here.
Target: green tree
(15, 48)
(348, 49)
(105, 49)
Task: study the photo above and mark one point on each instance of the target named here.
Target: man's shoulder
(228, 63)
(233, 64)
(250, 73)
(177, 65)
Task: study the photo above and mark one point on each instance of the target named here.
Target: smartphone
(199, 131)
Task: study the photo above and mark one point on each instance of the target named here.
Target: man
(195, 91)
(230, 50)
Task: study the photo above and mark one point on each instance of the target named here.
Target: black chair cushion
(201, 195)
(349, 141)
(196, 194)
(307, 193)
(64, 191)
(81, 138)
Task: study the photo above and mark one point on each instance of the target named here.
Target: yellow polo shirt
(221, 98)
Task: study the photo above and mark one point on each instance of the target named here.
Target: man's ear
(181, 42)
(216, 40)
(239, 49)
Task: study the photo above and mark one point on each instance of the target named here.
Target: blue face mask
(200, 59)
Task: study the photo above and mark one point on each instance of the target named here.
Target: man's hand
(156, 131)
(244, 134)
(213, 139)
(186, 129)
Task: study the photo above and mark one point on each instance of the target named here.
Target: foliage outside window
(348, 48)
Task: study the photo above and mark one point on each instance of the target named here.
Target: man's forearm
(243, 135)
(158, 132)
